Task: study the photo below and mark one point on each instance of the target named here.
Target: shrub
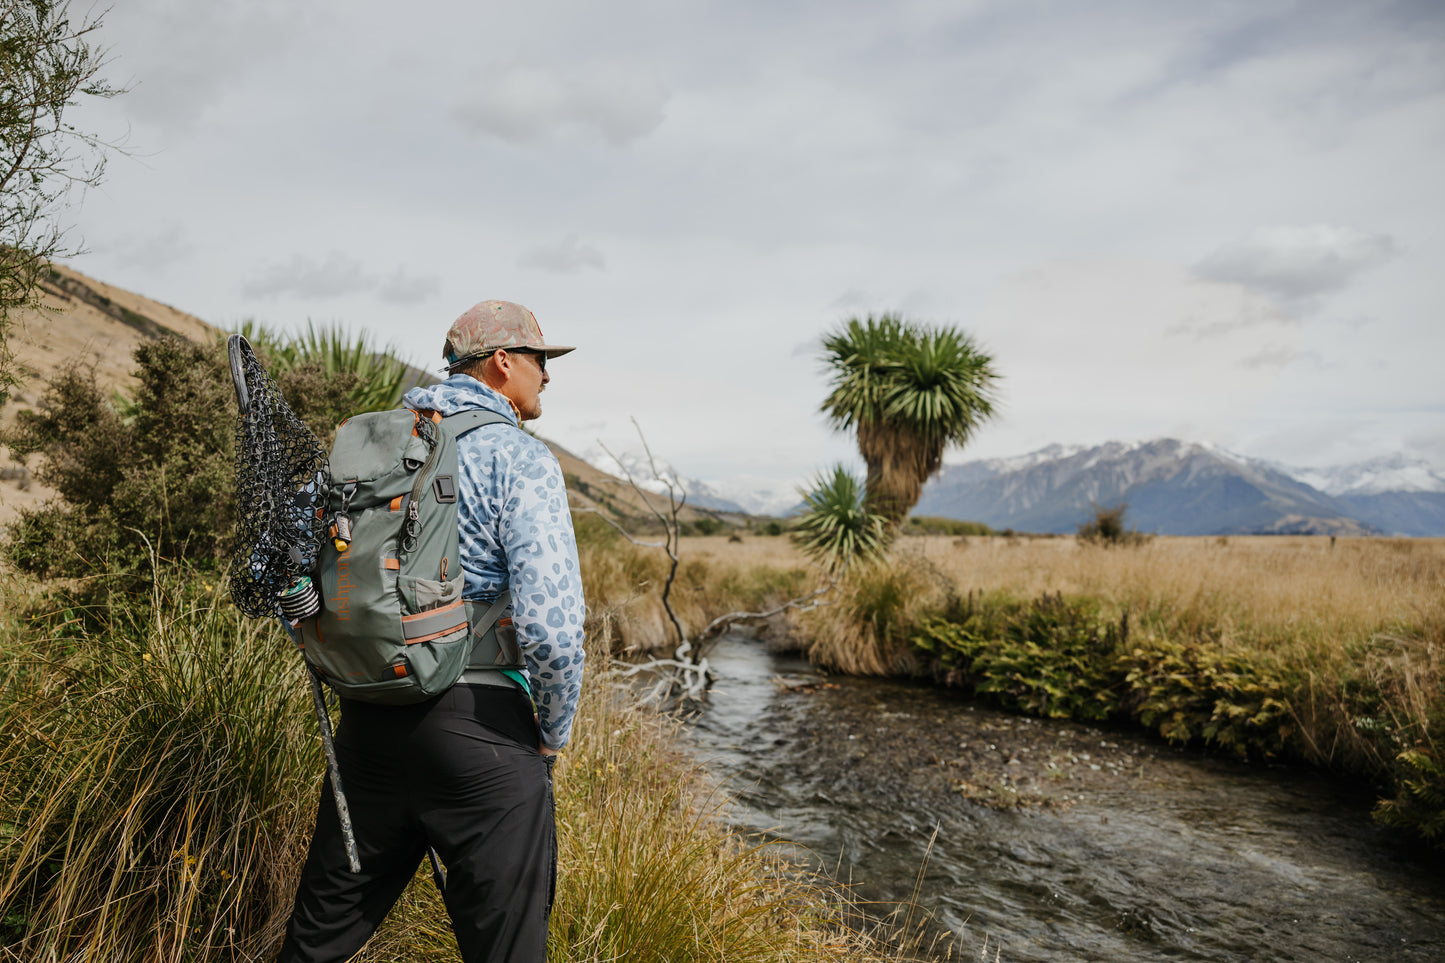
(158, 469)
(1107, 528)
(162, 471)
(931, 525)
(1050, 657)
(838, 529)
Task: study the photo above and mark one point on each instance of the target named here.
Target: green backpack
(393, 626)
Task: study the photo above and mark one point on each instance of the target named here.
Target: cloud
(567, 256)
(154, 251)
(402, 288)
(1297, 263)
(181, 59)
(527, 104)
(1429, 443)
(1278, 356)
(306, 278)
(336, 276)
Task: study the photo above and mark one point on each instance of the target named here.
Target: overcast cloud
(1298, 263)
(1214, 221)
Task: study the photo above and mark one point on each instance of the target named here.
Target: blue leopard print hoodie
(516, 531)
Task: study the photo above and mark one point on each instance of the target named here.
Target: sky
(1220, 222)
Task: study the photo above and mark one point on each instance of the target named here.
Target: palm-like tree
(909, 391)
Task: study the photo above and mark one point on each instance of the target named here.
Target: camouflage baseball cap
(490, 325)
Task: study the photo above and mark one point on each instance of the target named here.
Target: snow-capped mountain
(1188, 488)
(743, 493)
(1171, 487)
(1388, 473)
(1398, 493)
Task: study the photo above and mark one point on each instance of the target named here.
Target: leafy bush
(1107, 528)
(1419, 802)
(1050, 657)
(162, 472)
(1377, 718)
(1230, 700)
(156, 471)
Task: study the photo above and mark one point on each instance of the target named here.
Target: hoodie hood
(459, 393)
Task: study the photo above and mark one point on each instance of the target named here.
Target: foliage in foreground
(159, 768)
(48, 62)
(158, 778)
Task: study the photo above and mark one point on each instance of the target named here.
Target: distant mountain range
(744, 495)
(1175, 487)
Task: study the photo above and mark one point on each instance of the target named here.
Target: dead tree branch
(687, 674)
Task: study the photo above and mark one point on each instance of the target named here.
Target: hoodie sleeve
(548, 609)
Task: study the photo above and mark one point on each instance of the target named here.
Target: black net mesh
(281, 478)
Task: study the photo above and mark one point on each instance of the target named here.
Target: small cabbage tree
(837, 529)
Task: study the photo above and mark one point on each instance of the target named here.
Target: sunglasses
(539, 355)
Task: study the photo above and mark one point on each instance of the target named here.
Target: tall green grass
(159, 768)
(157, 772)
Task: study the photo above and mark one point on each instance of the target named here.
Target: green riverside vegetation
(1140, 638)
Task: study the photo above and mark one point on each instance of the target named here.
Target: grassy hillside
(87, 322)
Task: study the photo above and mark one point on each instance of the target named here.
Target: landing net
(281, 477)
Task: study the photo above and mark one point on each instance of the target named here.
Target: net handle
(238, 349)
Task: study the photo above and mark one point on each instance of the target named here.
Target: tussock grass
(866, 631)
(156, 781)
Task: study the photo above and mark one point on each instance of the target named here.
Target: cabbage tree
(908, 391)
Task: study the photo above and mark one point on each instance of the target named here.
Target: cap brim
(555, 350)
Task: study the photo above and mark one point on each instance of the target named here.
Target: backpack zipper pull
(413, 527)
(341, 527)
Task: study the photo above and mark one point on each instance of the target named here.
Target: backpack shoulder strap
(464, 421)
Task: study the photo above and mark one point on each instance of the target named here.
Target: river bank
(1058, 841)
(1272, 648)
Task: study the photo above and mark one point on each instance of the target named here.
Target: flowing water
(1058, 841)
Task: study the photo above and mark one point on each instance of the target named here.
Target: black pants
(462, 774)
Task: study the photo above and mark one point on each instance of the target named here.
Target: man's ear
(501, 365)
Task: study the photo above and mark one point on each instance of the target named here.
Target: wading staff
(281, 474)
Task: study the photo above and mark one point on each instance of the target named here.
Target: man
(468, 773)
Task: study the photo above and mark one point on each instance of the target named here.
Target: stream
(1040, 840)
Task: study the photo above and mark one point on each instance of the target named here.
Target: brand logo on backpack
(339, 603)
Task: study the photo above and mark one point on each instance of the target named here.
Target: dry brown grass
(1267, 590)
(623, 583)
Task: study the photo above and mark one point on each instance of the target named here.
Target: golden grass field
(1270, 590)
